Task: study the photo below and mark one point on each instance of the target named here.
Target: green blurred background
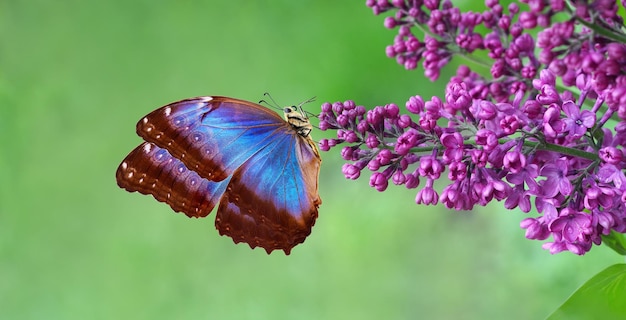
(75, 77)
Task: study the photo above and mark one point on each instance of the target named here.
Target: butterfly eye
(289, 109)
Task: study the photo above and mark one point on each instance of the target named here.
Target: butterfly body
(260, 169)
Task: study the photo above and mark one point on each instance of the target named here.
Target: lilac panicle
(543, 123)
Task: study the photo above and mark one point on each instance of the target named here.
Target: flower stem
(562, 150)
(602, 31)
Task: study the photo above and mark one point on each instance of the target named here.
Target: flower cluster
(548, 126)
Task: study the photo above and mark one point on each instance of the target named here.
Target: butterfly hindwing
(149, 169)
(278, 210)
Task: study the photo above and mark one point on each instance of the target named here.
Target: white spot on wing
(167, 111)
(147, 148)
(124, 165)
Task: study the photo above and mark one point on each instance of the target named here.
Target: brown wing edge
(151, 170)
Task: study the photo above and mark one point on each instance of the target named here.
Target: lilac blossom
(543, 124)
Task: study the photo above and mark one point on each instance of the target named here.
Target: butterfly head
(298, 120)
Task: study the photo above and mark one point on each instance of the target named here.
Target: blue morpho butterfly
(261, 169)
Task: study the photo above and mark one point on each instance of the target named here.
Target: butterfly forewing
(202, 149)
(210, 135)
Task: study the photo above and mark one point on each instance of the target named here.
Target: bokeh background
(75, 77)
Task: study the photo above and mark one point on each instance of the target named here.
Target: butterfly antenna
(306, 113)
(267, 94)
(271, 103)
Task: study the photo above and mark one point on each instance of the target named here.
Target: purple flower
(453, 144)
(373, 165)
(527, 174)
(427, 195)
(603, 220)
(518, 198)
(379, 181)
(599, 196)
(560, 246)
(514, 161)
(430, 167)
(487, 139)
(406, 141)
(571, 226)
(324, 146)
(412, 181)
(484, 110)
(610, 174)
(371, 141)
(351, 172)
(511, 136)
(535, 228)
(548, 95)
(577, 122)
(611, 155)
(552, 123)
(458, 97)
(457, 170)
(557, 180)
(453, 197)
(398, 178)
(510, 123)
(384, 157)
(347, 153)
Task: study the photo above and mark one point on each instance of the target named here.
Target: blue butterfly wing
(272, 199)
(211, 135)
(202, 149)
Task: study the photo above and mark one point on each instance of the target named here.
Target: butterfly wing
(272, 199)
(151, 170)
(212, 136)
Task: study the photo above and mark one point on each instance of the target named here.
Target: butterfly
(262, 169)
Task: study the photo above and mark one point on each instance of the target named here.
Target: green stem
(602, 31)
(562, 150)
(475, 60)
(536, 145)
